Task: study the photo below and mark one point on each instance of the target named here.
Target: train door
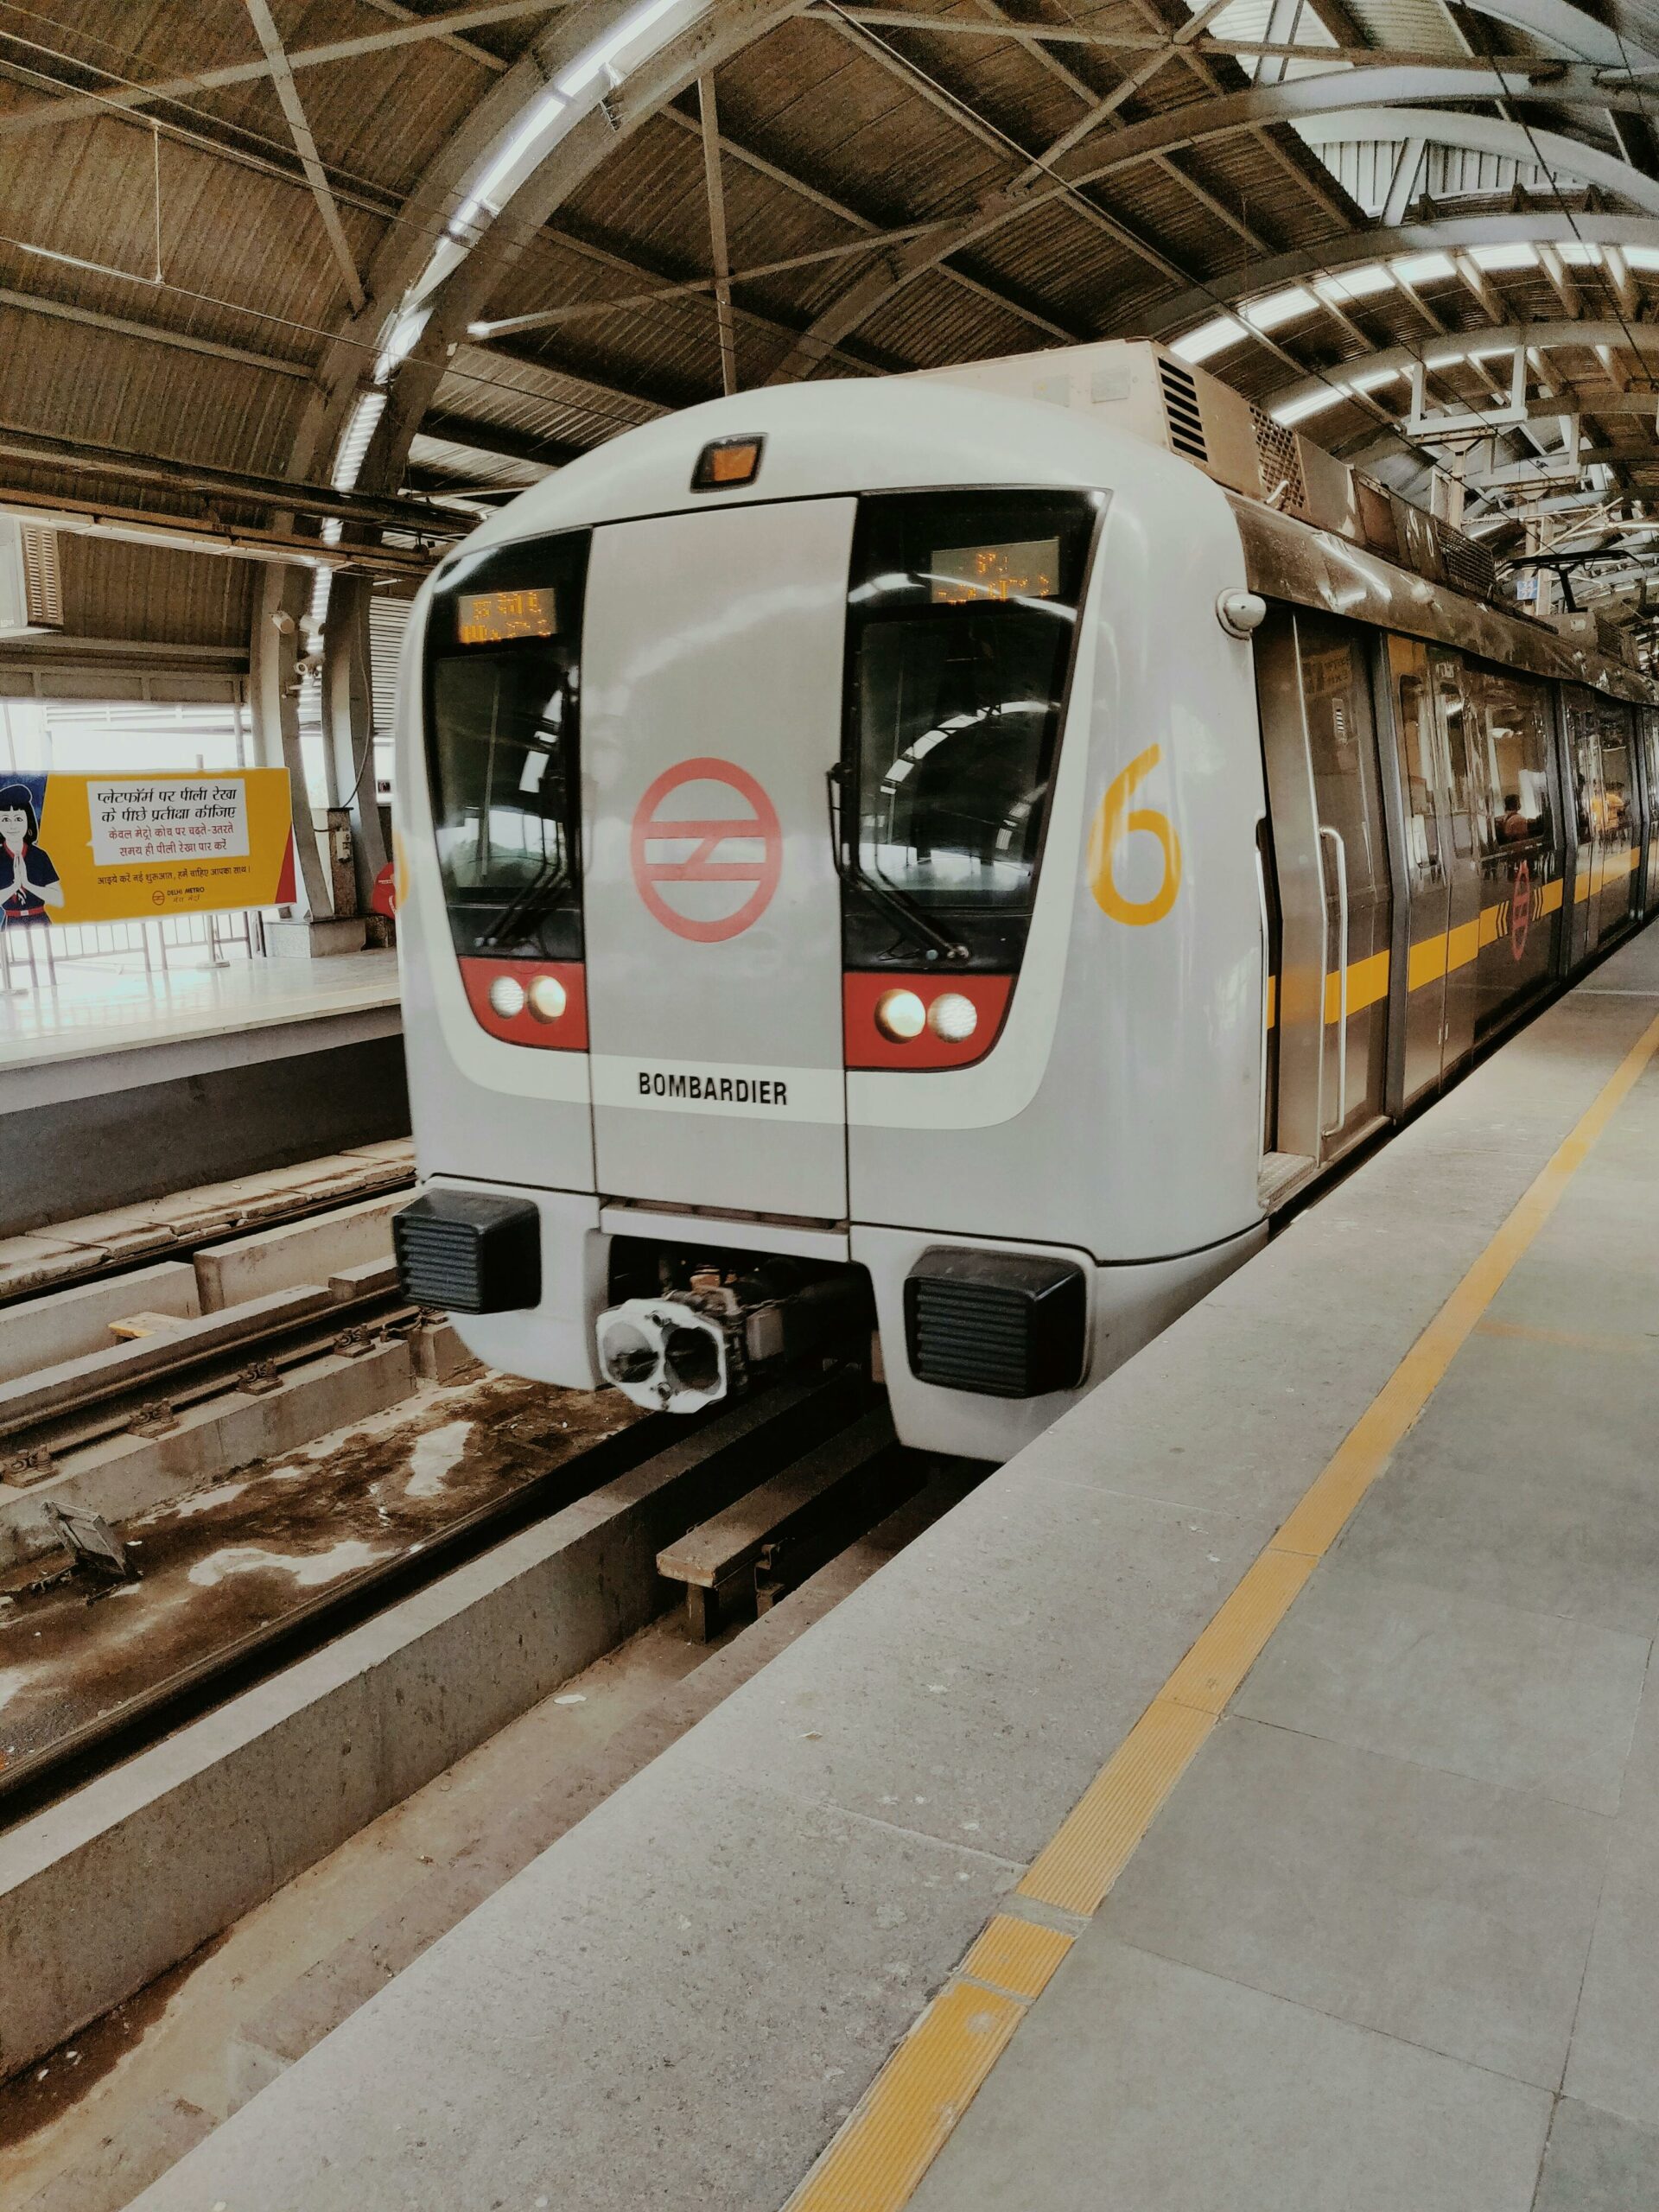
(1463, 861)
(1584, 773)
(1332, 892)
(1648, 721)
(1442, 873)
(1510, 744)
(1615, 904)
(711, 715)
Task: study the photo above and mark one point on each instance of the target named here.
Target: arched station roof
(321, 279)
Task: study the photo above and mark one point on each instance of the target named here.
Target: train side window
(1416, 761)
(1509, 735)
(1449, 681)
(1618, 784)
(1336, 701)
(1585, 758)
(503, 639)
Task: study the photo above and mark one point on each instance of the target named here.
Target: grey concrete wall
(83, 1155)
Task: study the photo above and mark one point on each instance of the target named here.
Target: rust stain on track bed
(251, 1548)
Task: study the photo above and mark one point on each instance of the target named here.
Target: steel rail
(38, 1777)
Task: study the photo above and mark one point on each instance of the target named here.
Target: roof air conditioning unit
(31, 588)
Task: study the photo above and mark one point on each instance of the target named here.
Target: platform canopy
(318, 281)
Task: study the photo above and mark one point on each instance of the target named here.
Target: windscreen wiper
(898, 905)
(531, 903)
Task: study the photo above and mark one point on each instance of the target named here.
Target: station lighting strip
(1222, 333)
(519, 151)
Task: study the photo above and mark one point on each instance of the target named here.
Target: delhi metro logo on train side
(706, 849)
(1520, 910)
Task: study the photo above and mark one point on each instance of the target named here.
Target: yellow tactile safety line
(875, 2162)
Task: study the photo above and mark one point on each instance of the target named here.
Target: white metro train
(953, 853)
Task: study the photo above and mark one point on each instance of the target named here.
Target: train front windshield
(963, 620)
(503, 683)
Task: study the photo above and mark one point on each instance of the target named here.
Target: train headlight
(548, 997)
(901, 1015)
(507, 997)
(952, 1018)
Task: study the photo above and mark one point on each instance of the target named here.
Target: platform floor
(1247, 1801)
(113, 1005)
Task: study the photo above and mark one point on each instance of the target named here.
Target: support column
(348, 726)
(273, 701)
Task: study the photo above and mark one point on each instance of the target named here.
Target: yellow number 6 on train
(1112, 824)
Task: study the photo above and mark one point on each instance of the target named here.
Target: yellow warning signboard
(123, 847)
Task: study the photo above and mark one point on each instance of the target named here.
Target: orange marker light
(727, 463)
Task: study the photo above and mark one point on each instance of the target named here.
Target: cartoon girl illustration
(28, 882)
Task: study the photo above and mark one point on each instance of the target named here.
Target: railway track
(715, 1461)
(60, 1255)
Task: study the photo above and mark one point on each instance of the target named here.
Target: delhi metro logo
(706, 850)
(1520, 911)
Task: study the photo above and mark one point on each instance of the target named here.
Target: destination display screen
(496, 618)
(1025, 568)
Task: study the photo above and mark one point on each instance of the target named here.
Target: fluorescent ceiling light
(1371, 379)
(354, 442)
(599, 57)
(1210, 338)
(1518, 255)
(487, 192)
(1311, 403)
(1580, 255)
(1643, 257)
(1280, 307)
(1355, 283)
(1424, 268)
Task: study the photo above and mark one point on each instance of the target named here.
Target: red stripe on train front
(922, 1021)
(539, 1002)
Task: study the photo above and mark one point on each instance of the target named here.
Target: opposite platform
(116, 1084)
(1288, 1859)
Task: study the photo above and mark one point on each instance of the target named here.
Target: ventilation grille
(464, 1253)
(1279, 459)
(1003, 1325)
(42, 581)
(1182, 412)
(439, 1261)
(1469, 566)
(966, 1337)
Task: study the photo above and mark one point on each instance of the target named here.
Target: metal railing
(29, 955)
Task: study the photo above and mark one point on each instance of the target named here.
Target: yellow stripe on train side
(1426, 963)
(1367, 982)
(1431, 957)
(1462, 945)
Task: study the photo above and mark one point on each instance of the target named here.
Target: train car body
(928, 841)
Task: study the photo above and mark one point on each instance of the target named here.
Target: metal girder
(733, 150)
(1640, 338)
(153, 334)
(714, 192)
(240, 484)
(188, 534)
(493, 437)
(1487, 133)
(1043, 37)
(453, 39)
(958, 111)
(1355, 248)
(415, 31)
(288, 96)
(1302, 101)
